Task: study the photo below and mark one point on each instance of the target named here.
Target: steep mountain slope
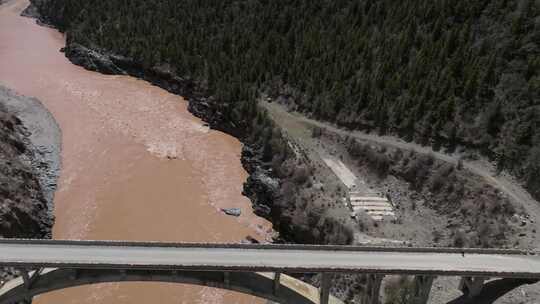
(28, 169)
(437, 72)
(23, 207)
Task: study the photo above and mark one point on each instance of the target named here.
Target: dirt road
(503, 182)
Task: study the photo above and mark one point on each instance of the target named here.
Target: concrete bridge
(253, 269)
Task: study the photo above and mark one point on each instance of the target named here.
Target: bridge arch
(263, 285)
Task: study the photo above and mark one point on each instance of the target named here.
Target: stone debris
(232, 211)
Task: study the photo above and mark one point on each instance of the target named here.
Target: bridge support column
(373, 289)
(277, 283)
(422, 288)
(471, 286)
(227, 278)
(74, 274)
(123, 273)
(29, 277)
(326, 283)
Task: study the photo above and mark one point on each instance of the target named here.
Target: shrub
(300, 175)
(288, 191)
(441, 177)
(484, 234)
(316, 132)
(417, 172)
(399, 291)
(460, 239)
(356, 149)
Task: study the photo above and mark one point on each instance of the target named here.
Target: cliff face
(24, 209)
(29, 166)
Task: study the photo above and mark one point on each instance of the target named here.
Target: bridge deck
(105, 255)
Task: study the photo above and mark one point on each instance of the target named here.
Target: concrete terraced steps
(378, 208)
(359, 198)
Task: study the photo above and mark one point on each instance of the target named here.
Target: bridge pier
(27, 285)
(277, 282)
(227, 279)
(373, 289)
(471, 286)
(74, 274)
(422, 288)
(326, 283)
(29, 278)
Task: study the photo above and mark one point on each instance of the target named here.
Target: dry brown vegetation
(312, 206)
(305, 207)
(480, 215)
(399, 290)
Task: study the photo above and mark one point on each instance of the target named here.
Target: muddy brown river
(136, 164)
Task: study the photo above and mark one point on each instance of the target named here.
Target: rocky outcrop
(31, 11)
(91, 60)
(43, 139)
(26, 183)
(29, 167)
(261, 187)
(46, 12)
(23, 208)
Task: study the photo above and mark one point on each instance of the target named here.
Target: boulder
(232, 211)
(92, 60)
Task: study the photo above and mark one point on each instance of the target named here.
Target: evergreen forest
(446, 73)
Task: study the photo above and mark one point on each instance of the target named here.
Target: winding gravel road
(502, 182)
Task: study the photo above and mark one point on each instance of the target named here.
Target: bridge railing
(275, 246)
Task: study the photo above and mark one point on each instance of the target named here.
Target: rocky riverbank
(264, 185)
(200, 104)
(30, 143)
(261, 187)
